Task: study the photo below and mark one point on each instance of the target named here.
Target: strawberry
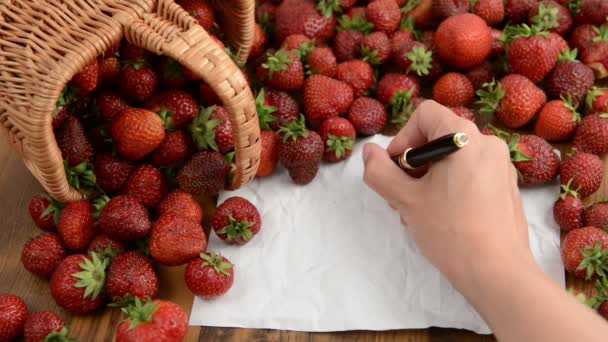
(77, 226)
(529, 41)
(109, 70)
(550, 15)
(534, 159)
(172, 74)
(260, 41)
(236, 221)
(376, 48)
(368, 116)
(208, 95)
(595, 11)
(112, 172)
(130, 52)
(106, 247)
(181, 203)
(516, 11)
(582, 36)
(596, 54)
(498, 45)
(13, 315)
(300, 151)
(464, 112)
(413, 57)
(325, 97)
(592, 134)
(175, 240)
(331, 7)
(584, 252)
(358, 74)
(492, 11)
(175, 147)
(131, 274)
(568, 209)
(302, 16)
(146, 184)
(514, 99)
(45, 211)
(45, 326)
(77, 283)
(443, 9)
(347, 45)
(557, 120)
(481, 74)
(109, 105)
(385, 15)
(59, 115)
(597, 100)
(137, 81)
(137, 132)
(177, 108)
(205, 173)
(269, 157)
(266, 15)
(597, 215)
(569, 78)
(124, 218)
(282, 70)
(42, 254)
(212, 130)
(463, 41)
(86, 80)
(338, 136)
(299, 44)
(73, 142)
(287, 108)
(392, 83)
(453, 89)
(209, 276)
(201, 10)
(585, 171)
(151, 321)
(321, 61)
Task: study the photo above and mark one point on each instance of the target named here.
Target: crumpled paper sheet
(332, 256)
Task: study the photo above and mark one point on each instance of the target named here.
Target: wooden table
(18, 186)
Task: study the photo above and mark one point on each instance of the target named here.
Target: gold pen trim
(461, 140)
(403, 160)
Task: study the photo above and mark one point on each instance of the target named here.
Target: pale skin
(466, 216)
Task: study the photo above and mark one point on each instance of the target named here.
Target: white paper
(332, 256)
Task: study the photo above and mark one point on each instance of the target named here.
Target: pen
(413, 158)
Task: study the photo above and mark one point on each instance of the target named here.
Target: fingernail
(366, 152)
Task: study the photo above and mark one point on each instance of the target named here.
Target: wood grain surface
(17, 187)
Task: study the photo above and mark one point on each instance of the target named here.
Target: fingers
(430, 121)
(386, 178)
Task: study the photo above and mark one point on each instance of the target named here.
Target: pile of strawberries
(142, 135)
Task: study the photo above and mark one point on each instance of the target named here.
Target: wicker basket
(44, 43)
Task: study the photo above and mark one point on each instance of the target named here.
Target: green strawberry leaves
(67, 97)
(81, 177)
(294, 130)
(59, 336)
(99, 203)
(235, 56)
(490, 96)
(574, 6)
(54, 208)
(167, 117)
(576, 116)
(277, 62)
(602, 34)
(595, 261)
(566, 190)
(203, 129)
(237, 229)
(173, 70)
(92, 277)
(548, 17)
(329, 7)
(339, 145)
(568, 56)
(593, 94)
(140, 312)
(421, 60)
(356, 23)
(408, 23)
(411, 4)
(402, 107)
(370, 56)
(517, 155)
(216, 261)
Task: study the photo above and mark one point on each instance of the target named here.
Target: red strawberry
(302, 16)
(77, 226)
(109, 105)
(421, 12)
(124, 218)
(59, 116)
(516, 11)
(325, 97)
(236, 221)
(481, 75)
(137, 81)
(597, 215)
(583, 252)
(77, 283)
(205, 173)
(172, 74)
(208, 95)
(534, 159)
(146, 184)
(464, 112)
(597, 100)
(13, 315)
(137, 132)
(201, 10)
(322, 61)
(596, 54)
(151, 321)
(181, 203)
(73, 142)
(568, 210)
(287, 108)
(298, 43)
(454, 89)
(112, 172)
(376, 48)
(550, 15)
(175, 147)
(213, 130)
(585, 171)
(45, 212)
(463, 41)
(175, 240)
(398, 40)
(392, 83)
(42, 254)
(45, 326)
(109, 70)
(209, 276)
(106, 247)
(368, 116)
(269, 156)
(443, 9)
(131, 274)
(347, 45)
(358, 75)
(557, 121)
(130, 52)
(177, 108)
(595, 11)
(385, 15)
(282, 70)
(592, 134)
(582, 36)
(570, 78)
(492, 11)
(528, 42)
(86, 80)
(260, 41)
(514, 99)
(300, 151)
(498, 45)
(338, 136)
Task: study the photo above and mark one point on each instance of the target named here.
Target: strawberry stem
(339, 145)
(370, 56)
(294, 129)
(410, 5)
(81, 177)
(402, 107)
(92, 277)
(203, 129)
(568, 55)
(277, 62)
(592, 95)
(595, 261)
(140, 312)
(329, 7)
(356, 23)
(576, 116)
(264, 112)
(59, 336)
(100, 203)
(421, 60)
(602, 34)
(54, 208)
(548, 17)
(216, 261)
(566, 191)
(516, 154)
(237, 229)
(490, 96)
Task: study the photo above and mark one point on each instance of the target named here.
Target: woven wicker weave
(44, 43)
